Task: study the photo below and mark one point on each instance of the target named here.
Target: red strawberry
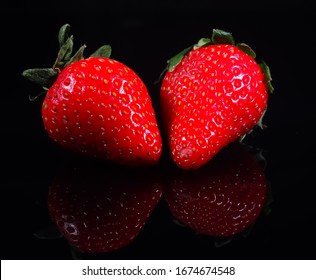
(99, 210)
(98, 107)
(212, 94)
(223, 197)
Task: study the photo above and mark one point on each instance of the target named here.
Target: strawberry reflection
(222, 198)
(101, 208)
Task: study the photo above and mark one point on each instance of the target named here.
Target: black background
(143, 35)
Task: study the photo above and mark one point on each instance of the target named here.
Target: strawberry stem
(221, 37)
(45, 77)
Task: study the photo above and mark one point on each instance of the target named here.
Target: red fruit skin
(101, 209)
(98, 107)
(214, 96)
(222, 198)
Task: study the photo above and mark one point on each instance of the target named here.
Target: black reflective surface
(144, 36)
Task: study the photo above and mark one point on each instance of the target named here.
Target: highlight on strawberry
(97, 106)
(213, 93)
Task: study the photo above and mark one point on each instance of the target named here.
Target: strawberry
(97, 209)
(98, 107)
(223, 197)
(212, 94)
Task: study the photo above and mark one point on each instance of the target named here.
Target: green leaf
(270, 87)
(222, 37)
(64, 53)
(104, 51)
(246, 49)
(174, 61)
(63, 34)
(266, 71)
(42, 76)
(77, 56)
(67, 49)
(202, 42)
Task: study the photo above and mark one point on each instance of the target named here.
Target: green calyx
(219, 37)
(45, 77)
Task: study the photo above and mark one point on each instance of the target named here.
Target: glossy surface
(144, 39)
(100, 108)
(214, 96)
